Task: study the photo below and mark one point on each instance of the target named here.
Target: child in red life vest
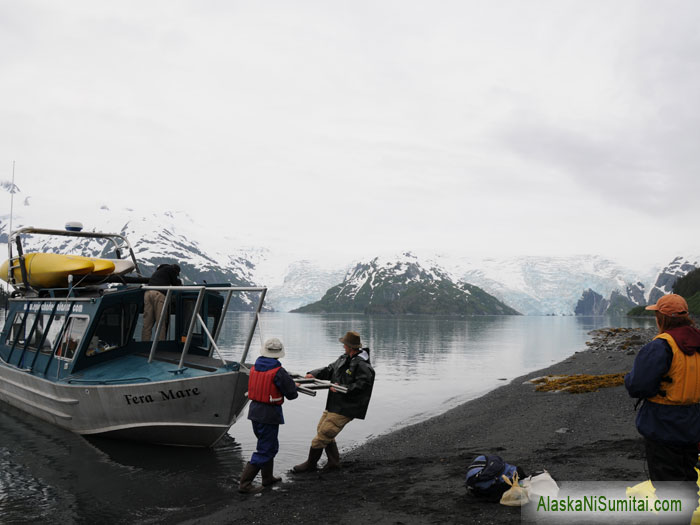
(268, 385)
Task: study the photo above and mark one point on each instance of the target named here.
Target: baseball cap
(672, 305)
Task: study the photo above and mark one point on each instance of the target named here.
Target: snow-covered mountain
(531, 285)
(155, 239)
(546, 285)
(405, 284)
(204, 254)
(304, 282)
(8, 186)
(668, 275)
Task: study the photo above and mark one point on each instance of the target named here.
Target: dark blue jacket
(165, 275)
(672, 424)
(264, 412)
(355, 373)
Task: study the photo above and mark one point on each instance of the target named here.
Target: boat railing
(50, 305)
(197, 318)
(17, 261)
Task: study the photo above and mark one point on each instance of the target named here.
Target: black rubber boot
(268, 478)
(310, 464)
(245, 486)
(333, 457)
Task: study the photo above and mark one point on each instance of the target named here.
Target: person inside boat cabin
(153, 300)
(354, 371)
(268, 385)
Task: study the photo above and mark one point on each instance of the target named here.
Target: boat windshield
(114, 328)
(72, 336)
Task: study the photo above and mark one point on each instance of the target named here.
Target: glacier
(533, 285)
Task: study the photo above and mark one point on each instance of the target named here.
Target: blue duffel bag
(484, 476)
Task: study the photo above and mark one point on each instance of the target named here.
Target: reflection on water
(51, 474)
(424, 365)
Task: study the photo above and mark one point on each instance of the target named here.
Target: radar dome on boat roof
(74, 226)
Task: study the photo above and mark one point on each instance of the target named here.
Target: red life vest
(262, 388)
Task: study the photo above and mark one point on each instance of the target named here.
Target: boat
(71, 351)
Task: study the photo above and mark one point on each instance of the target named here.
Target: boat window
(19, 333)
(113, 329)
(70, 341)
(38, 331)
(53, 332)
(188, 308)
(211, 324)
(131, 314)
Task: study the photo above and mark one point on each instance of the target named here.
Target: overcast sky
(480, 128)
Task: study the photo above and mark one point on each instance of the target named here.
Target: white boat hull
(194, 411)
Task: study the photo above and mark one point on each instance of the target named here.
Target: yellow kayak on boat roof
(49, 270)
(101, 266)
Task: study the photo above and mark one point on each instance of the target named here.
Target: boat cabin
(59, 336)
(62, 332)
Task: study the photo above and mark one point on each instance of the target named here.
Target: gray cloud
(508, 120)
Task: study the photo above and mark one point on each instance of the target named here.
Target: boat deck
(135, 368)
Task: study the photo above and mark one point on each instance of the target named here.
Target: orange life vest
(262, 388)
(684, 385)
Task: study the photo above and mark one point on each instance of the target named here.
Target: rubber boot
(268, 478)
(310, 464)
(333, 457)
(245, 486)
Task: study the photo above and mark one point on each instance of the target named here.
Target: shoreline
(415, 474)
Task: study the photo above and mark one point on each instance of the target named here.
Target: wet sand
(416, 474)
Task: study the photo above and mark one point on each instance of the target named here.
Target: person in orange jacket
(666, 376)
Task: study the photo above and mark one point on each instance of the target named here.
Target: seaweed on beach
(578, 383)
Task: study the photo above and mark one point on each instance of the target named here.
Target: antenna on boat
(12, 200)
(9, 232)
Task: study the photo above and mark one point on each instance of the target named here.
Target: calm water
(424, 366)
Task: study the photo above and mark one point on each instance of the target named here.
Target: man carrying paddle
(353, 371)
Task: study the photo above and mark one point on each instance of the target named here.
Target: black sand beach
(416, 474)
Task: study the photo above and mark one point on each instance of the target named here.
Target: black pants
(675, 466)
(670, 462)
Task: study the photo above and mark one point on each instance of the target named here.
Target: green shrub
(640, 311)
(694, 304)
(688, 285)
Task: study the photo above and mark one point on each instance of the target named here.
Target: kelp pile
(577, 383)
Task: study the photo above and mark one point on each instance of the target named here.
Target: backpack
(484, 476)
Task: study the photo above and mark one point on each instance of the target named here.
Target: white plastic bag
(540, 484)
